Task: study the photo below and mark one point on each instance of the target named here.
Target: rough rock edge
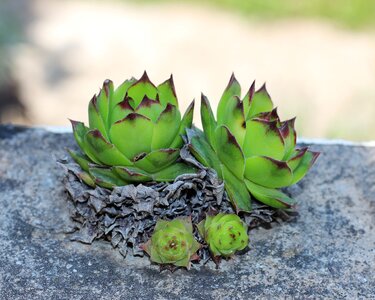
(126, 216)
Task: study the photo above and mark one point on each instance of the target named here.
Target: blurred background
(317, 56)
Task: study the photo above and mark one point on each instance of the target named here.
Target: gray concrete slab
(327, 252)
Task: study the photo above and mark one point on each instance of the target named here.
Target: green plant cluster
(135, 135)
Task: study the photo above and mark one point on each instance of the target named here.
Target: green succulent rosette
(250, 148)
(224, 234)
(134, 134)
(173, 243)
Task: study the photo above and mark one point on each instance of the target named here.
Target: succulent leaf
(103, 101)
(263, 138)
(202, 150)
(296, 158)
(268, 172)
(87, 178)
(79, 132)
(233, 89)
(248, 98)
(186, 122)
(236, 190)
(149, 108)
(167, 92)
(95, 118)
(269, 116)
(235, 119)
(229, 152)
(121, 110)
(82, 160)
(106, 177)
(157, 159)
(224, 233)
(172, 171)
(103, 150)
(136, 128)
(260, 102)
(172, 243)
(208, 120)
(166, 127)
(132, 174)
(270, 197)
(304, 165)
(119, 94)
(143, 87)
(289, 136)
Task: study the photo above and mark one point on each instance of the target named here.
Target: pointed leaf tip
(208, 120)
(125, 104)
(269, 196)
(231, 138)
(292, 121)
(94, 100)
(167, 92)
(302, 164)
(284, 130)
(189, 112)
(106, 85)
(248, 98)
(260, 103)
(168, 108)
(252, 89)
(171, 82)
(204, 100)
(134, 116)
(233, 89)
(190, 107)
(263, 88)
(166, 128)
(75, 123)
(144, 77)
(232, 81)
(147, 102)
(250, 93)
(315, 156)
(131, 117)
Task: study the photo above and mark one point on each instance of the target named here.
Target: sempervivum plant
(224, 234)
(173, 243)
(134, 134)
(250, 148)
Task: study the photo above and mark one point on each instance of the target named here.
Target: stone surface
(327, 252)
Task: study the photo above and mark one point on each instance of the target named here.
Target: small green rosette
(173, 243)
(224, 233)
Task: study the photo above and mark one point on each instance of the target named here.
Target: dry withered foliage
(126, 216)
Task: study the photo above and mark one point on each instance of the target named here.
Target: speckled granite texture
(327, 252)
